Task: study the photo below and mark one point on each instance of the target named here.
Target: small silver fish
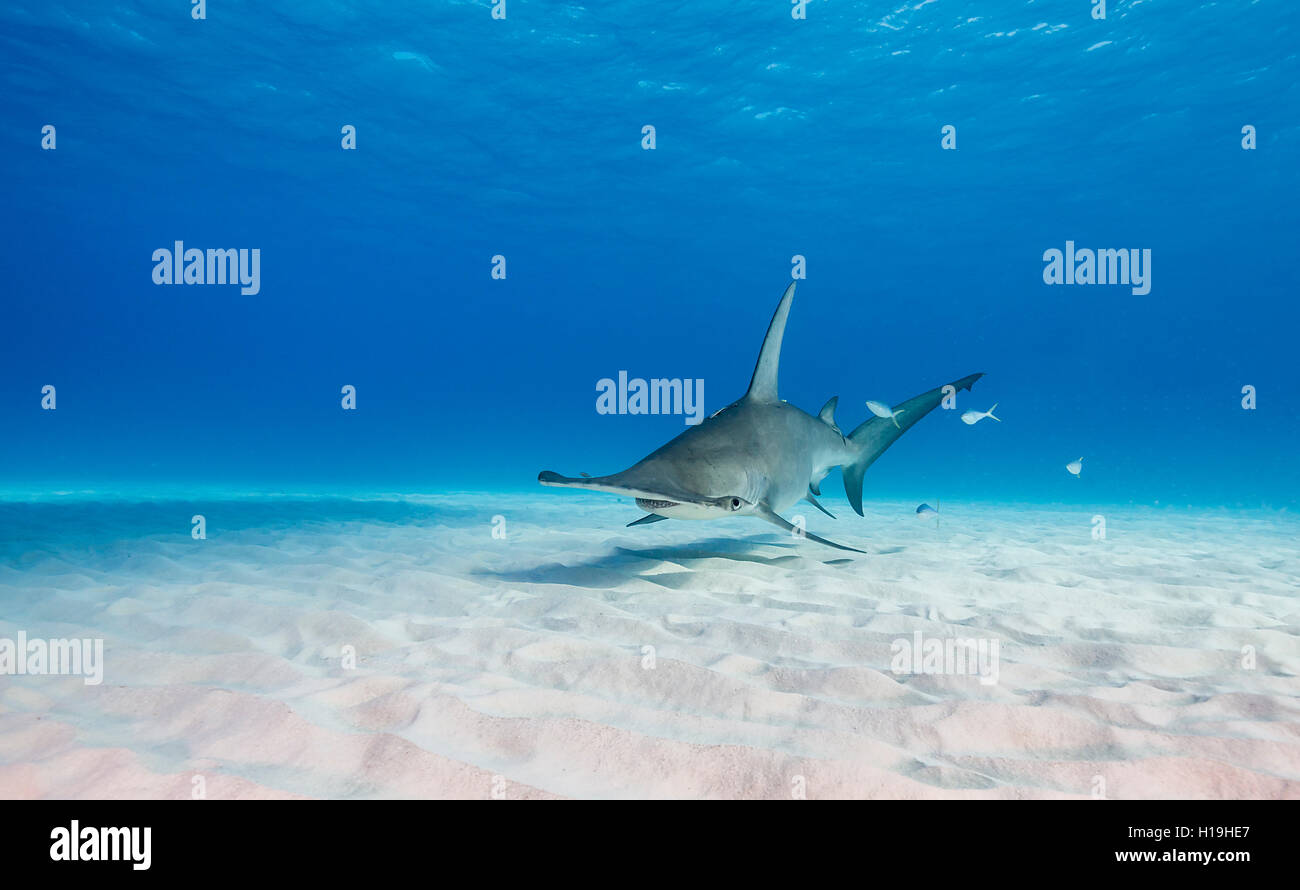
(880, 409)
(972, 417)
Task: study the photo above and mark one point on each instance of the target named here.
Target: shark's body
(759, 456)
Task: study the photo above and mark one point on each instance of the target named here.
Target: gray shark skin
(759, 456)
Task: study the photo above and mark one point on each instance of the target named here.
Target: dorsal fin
(762, 387)
(827, 414)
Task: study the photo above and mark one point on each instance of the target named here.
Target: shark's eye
(735, 503)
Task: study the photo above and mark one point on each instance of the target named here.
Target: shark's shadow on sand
(647, 563)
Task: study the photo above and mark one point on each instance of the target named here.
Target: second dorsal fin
(827, 414)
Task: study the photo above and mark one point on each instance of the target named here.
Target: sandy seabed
(577, 658)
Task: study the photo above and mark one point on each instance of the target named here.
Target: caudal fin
(990, 413)
(876, 434)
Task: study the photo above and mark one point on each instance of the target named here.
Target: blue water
(522, 137)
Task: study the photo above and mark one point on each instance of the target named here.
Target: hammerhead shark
(759, 456)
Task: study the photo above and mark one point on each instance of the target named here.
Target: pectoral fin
(777, 520)
(646, 520)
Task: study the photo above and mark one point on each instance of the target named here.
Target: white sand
(1120, 660)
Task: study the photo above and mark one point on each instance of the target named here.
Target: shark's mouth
(652, 505)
